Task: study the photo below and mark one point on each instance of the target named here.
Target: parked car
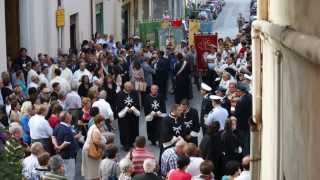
(253, 8)
(213, 10)
(215, 4)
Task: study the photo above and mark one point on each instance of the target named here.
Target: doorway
(74, 27)
(99, 18)
(12, 28)
(125, 21)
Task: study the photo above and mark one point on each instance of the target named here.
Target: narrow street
(226, 23)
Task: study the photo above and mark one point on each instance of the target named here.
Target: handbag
(113, 175)
(140, 86)
(94, 151)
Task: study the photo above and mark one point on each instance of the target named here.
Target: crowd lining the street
(55, 107)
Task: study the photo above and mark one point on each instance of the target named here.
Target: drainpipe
(91, 18)
(279, 106)
(257, 107)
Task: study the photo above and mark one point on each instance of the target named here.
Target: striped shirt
(168, 161)
(137, 156)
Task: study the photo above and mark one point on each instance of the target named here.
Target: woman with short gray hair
(126, 169)
(149, 167)
(31, 162)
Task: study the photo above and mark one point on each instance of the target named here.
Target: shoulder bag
(94, 151)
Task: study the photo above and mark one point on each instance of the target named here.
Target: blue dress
(26, 130)
(23, 87)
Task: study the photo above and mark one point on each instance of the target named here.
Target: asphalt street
(225, 25)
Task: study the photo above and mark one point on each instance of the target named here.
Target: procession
(71, 115)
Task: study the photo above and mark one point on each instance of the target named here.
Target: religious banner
(148, 30)
(165, 24)
(194, 27)
(206, 26)
(176, 23)
(163, 36)
(174, 35)
(202, 41)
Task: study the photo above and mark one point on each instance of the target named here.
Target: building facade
(286, 42)
(107, 17)
(3, 52)
(32, 24)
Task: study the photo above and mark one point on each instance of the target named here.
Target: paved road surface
(226, 23)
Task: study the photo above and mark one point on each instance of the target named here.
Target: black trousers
(129, 130)
(153, 129)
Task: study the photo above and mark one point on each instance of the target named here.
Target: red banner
(201, 44)
(176, 23)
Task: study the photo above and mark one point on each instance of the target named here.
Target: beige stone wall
(291, 135)
(3, 53)
(82, 8)
(38, 31)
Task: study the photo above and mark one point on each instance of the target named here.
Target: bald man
(245, 174)
(127, 108)
(155, 110)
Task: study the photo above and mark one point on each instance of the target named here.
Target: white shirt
(31, 73)
(194, 166)
(32, 84)
(224, 66)
(78, 75)
(101, 41)
(64, 84)
(219, 114)
(39, 127)
(224, 84)
(43, 79)
(104, 108)
(245, 175)
(28, 164)
(67, 74)
(241, 62)
(72, 101)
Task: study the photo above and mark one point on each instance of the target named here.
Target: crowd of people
(78, 102)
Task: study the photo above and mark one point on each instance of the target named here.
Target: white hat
(136, 37)
(217, 79)
(206, 87)
(214, 97)
(246, 76)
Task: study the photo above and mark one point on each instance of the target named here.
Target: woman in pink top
(54, 117)
(180, 173)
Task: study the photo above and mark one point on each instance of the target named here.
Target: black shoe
(154, 143)
(125, 148)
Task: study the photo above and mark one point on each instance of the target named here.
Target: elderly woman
(90, 165)
(149, 167)
(27, 112)
(14, 151)
(126, 169)
(226, 77)
(31, 162)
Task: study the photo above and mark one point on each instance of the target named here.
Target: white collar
(63, 123)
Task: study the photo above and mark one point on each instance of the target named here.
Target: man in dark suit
(243, 112)
(162, 67)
